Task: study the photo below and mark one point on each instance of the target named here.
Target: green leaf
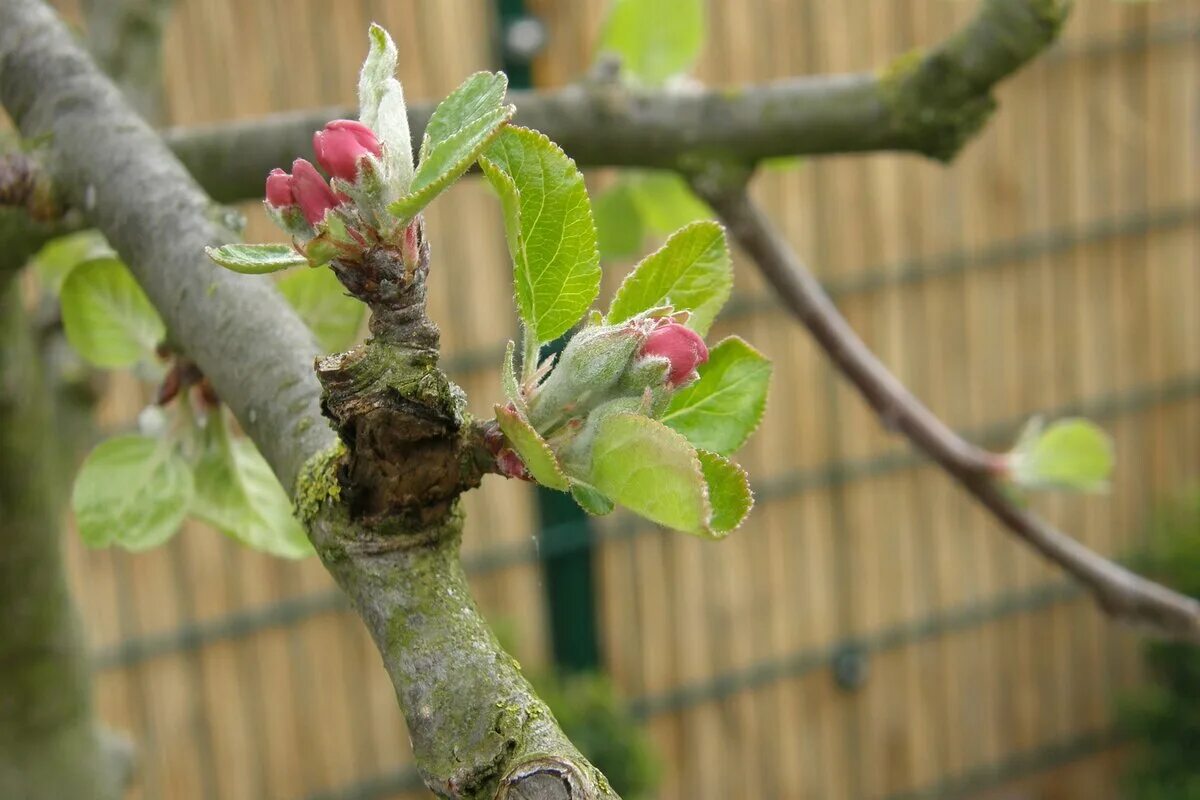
(590, 500)
(532, 448)
(323, 304)
(59, 256)
(107, 317)
(551, 237)
(652, 470)
(728, 491)
(237, 493)
(619, 228)
(461, 127)
(132, 491)
(1073, 454)
(665, 201)
(655, 39)
(720, 410)
(692, 272)
(256, 259)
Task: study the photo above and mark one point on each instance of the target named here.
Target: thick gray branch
(107, 162)
(1121, 593)
(929, 103)
(477, 727)
(49, 745)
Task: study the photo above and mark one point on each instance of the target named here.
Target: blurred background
(868, 633)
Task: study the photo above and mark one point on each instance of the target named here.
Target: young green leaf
(728, 492)
(323, 304)
(590, 500)
(132, 491)
(237, 493)
(461, 127)
(59, 256)
(723, 407)
(256, 259)
(691, 272)
(532, 448)
(655, 39)
(107, 317)
(1072, 454)
(649, 468)
(551, 236)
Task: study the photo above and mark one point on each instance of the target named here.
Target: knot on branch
(411, 447)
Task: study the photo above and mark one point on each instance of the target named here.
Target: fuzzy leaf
(538, 457)
(655, 39)
(728, 492)
(551, 237)
(1073, 454)
(256, 259)
(691, 272)
(461, 127)
(332, 315)
(107, 317)
(590, 500)
(652, 470)
(132, 491)
(723, 407)
(238, 494)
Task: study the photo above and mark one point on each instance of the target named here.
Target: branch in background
(1121, 593)
(927, 103)
(50, 746)
(125, 36)
(478, 729)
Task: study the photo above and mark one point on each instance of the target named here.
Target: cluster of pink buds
(341, 217)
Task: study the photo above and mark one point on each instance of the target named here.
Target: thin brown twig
(1124, 595)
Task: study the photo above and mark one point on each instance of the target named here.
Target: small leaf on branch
(1073, 454)
(107, 317)
(551, 237)
(321, 301)
(132, 491)
(461, 127)
(256, 259)
(237, 493)
(590, 500)
(720, 410)
(508, 378)
(691, 272)
(728, 492)
(652, 470)
(537, 456)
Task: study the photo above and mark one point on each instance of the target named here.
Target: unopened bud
(681, 346)
(311, 192)
(340, 146)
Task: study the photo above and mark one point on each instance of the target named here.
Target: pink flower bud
(311, 192)
(680, 345)
(279, 188)
(341, 144)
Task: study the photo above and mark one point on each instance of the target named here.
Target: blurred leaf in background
(1163, 718)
